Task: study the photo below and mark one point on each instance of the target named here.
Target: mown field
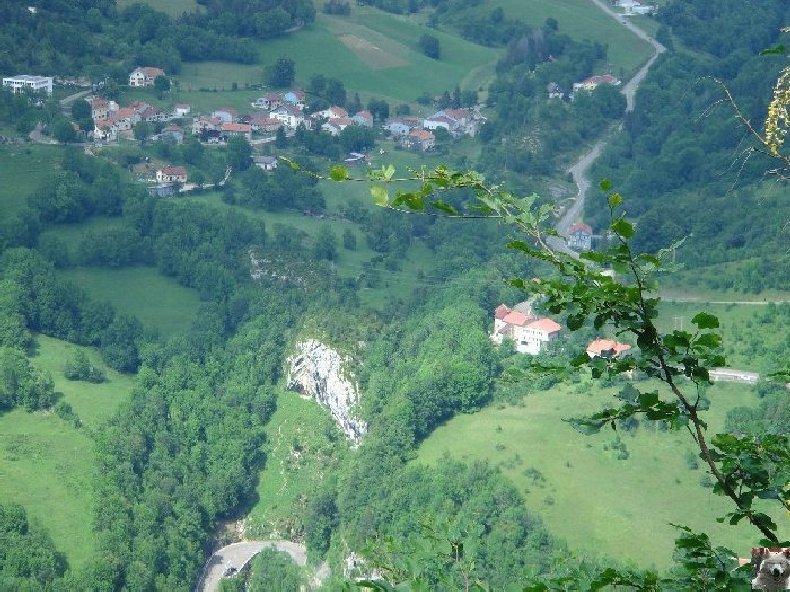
(46, 464)
(598, 504)
(371, 52)
(22, 169)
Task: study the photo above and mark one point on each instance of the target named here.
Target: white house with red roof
(580, 237)
(289, 116)
(230, 130)
(606, 348)
(330, 113)
(530, 333)
(419, 139)
(171, 174)
(336, 125)
(594, 82)
(145, 76)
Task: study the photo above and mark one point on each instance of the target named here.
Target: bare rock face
(316, 371)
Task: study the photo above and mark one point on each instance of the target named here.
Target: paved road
(237, 555)
(71, 98)
(580, 168)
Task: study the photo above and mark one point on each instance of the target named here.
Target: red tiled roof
(580, 227)
(456, 113)
(236, 127)
(421, 134)
(546, 325)
(174, 170)
(598, 345)
(516, 318)
(501, 311)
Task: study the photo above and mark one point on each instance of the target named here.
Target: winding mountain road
(580, 168)
(238, 555)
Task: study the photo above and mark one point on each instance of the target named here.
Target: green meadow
(372, 52)
(303, 447)
(22, 169)
(752, 336)
(586, 496)
(581, 19)
(46, 464)
(159, 302)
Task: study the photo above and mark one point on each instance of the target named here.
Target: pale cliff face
(316, 371)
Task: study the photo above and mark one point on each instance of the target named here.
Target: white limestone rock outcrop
(316, 371)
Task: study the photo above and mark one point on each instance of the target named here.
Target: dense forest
(98, 38)
(684, 156)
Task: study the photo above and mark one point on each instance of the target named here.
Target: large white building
(530, 334)
(26, 82)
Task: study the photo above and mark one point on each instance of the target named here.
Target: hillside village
(284, 112)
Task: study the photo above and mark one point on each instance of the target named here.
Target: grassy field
(598, 504)
(581, 19)
(372, 52)
(159, 302)
(303, 446)
(751, 337)
(22, 169)
(46, 464)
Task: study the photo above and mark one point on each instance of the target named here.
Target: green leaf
(623, 228)
(444, 207)
(648, 399)
(705, 320)
(708, 340)
(338, 173)
(777, 50)
(606, 184)
(380, 196)
(615, 199)
(575, 321)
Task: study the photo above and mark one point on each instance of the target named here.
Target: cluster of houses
(111, 121)
(415, 133)
(554, 90)
(532, 334)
